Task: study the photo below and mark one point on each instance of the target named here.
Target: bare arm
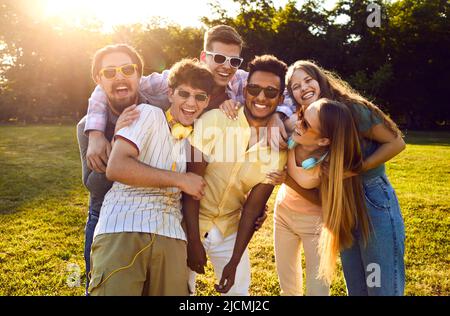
(312, 195)
(391, 146)
(253, 207)
(124, 167)
(191, 206)
(276, 131)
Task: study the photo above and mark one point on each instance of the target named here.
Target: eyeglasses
(111, 72)
(220, 59)
(269, 92)
(199, 97)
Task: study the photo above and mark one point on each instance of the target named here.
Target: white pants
(291, 231)
(219, 251)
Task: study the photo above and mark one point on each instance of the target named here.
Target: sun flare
(115, 12)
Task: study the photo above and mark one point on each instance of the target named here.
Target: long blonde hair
(342, 199)
(334, 88)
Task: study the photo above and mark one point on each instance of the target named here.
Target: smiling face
(261, 107)
(305, 88)
(185, 109)
(222, 72)
(121, 90)
(307, 131)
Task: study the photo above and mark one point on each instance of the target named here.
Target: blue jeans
(98, 186)
(377, 269)
(88, 238)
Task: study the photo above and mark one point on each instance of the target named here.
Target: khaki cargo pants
(159, 269)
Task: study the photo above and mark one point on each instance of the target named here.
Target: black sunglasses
(200, 97)
(269, 92)
(220, 59)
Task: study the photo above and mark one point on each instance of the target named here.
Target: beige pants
(292, 229)
(160, 269)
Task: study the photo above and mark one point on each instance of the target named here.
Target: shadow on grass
(431, 138)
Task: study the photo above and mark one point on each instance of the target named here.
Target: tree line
(396, 56)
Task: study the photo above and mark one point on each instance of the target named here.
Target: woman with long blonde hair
(328, 146)
(372, 251)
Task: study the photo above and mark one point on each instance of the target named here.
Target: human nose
(119, 75)
(227, 63)
(191, 99)
(261, 96)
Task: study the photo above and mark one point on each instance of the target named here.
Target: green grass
(43, 208)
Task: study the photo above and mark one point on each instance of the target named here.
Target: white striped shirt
(147, 210)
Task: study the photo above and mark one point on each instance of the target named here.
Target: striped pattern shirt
(144, 209)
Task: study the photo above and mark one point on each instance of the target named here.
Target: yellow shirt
(232, 169)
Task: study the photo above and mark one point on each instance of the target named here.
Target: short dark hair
(123, 48)
(193, 73)
(269, 63)
(223, 34)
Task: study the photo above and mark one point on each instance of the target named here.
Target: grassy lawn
(43, 208)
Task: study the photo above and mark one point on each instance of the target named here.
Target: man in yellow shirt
(234, 159)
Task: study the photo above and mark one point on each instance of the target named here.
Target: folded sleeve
(140, 131)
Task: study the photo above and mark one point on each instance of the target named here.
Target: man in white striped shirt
(139, 245)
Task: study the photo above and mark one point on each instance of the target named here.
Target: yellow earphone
(178, 130)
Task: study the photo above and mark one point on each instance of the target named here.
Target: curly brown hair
(193, 73)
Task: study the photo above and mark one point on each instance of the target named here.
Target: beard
(118, 104)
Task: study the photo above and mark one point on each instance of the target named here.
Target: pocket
(95, 281)
(377, 195)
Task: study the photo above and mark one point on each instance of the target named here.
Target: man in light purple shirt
(222, 50)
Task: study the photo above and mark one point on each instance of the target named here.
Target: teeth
(308, 95)
(223, 74)
(189, 111)
(260, 106)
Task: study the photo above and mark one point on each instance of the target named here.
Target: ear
(203, 56)
(170, 94)
(324, 141)
(281, 99)
(97, 79)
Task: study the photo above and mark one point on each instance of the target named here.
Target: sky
(114, 12)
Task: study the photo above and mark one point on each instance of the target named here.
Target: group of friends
(180, 165)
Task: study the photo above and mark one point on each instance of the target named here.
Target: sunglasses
(111, 72)
(220, 59)
(200, 97)
(304, 126)
(269, 92)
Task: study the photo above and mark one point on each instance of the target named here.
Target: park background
(403, 65)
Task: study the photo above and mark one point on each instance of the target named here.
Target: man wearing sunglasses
(139, 245)
(221, 53)
(117, 69)
(235, 162)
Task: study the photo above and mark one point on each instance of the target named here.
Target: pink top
(308, 179)
(290, 199)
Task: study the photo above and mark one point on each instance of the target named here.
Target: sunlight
(114, 12)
